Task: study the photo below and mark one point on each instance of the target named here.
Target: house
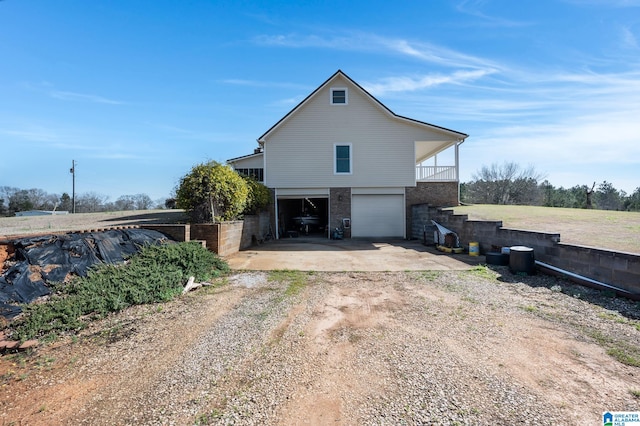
(341, 158)
(41, 212)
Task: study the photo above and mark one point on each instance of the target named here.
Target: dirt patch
(350, 348)
(6, 251)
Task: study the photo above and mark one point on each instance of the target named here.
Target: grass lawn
(619, 231)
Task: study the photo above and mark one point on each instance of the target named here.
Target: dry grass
(619, 231)
(85, 221)
(613, 230)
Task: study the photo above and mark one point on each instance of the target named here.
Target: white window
(339, 96)
(342, 161)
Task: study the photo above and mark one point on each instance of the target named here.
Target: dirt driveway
(341, 348)
(319, 254)
(416, 337)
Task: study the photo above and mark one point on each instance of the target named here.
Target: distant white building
(41, 213)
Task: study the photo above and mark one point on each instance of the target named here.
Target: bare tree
(142, 202)
(125, 202)
(90, 202)
(589, 194)
(507, 183)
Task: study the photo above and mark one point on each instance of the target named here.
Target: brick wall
(610, 267)
(339, 208)
(206, 232)
(222, 238)
(443, 194)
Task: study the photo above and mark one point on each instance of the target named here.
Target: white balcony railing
(436, 173)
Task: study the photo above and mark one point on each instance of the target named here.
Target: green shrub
(155, 274)
(212, 192)
(259, 196)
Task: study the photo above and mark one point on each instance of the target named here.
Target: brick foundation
(339, 208)
(432, 193)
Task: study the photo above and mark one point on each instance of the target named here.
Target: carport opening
(303, 217)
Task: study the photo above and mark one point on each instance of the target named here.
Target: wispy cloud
(294, 40)
(410, 84)
(608, 138)
(47, 88)
(82, 97)
(33, 134)
(264, 84)
(365, 42)
(560, 121)
(432, 53)
(182, 133)
(473, 8)
(288, 102)
(629, 39)
(607, 3)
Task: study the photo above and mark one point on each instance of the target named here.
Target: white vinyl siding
(302, 193)
(249, 162)
(298, 152)
(377, 215)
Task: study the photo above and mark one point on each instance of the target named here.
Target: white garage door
(377, 215)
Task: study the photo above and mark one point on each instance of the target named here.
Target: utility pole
(73, 192)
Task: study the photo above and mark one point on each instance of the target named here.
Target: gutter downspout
(588, 282)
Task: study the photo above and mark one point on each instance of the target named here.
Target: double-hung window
(339, 96)
(342, 159)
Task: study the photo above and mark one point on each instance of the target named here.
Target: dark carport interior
(303, 216)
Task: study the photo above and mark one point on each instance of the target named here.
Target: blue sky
(138, 92)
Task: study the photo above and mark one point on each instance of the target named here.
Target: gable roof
(338, 73)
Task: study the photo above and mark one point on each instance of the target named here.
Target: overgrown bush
(212, 192)
(155, 274)
(259, 196)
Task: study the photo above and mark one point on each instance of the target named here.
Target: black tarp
(44, 260)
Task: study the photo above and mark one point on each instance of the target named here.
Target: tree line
(13, 200)
(209, 192)
(212, 191)
(509, 183)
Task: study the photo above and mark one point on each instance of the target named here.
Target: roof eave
(262, 139)
(242, 157)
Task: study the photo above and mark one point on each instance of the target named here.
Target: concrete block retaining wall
(610, 267)
(175, 232)
(229, 237)
(255, 229)
(223, 238)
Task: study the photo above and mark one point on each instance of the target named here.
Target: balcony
(436, 173)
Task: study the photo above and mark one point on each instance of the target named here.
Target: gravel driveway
(449, 347)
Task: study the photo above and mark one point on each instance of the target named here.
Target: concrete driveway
(317, 254)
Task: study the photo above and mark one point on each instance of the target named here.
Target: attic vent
(339, 96)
